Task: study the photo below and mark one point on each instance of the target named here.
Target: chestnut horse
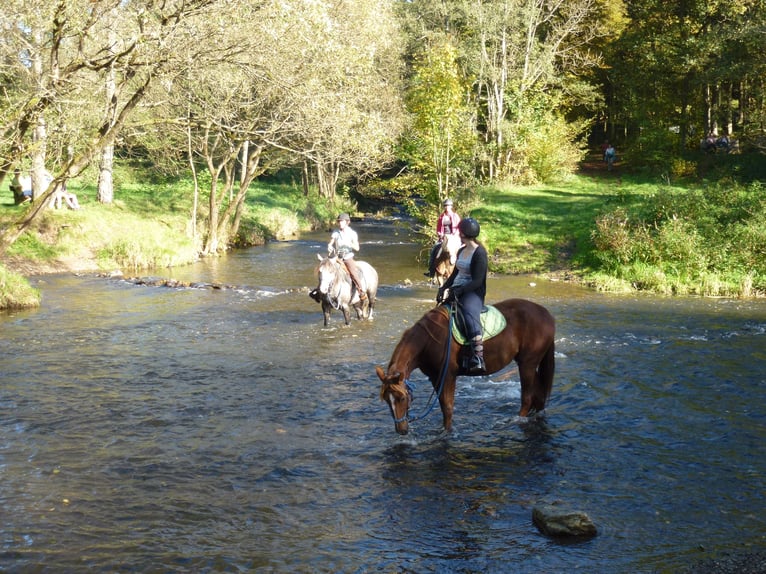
(445, 259)
(528, 338)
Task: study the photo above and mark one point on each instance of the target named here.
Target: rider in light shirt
(343, 242)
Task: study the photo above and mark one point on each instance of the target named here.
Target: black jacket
(479, 267)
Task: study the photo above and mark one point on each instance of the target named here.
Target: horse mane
(340, 268)
(433, 323)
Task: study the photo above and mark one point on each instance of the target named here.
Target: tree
(522, 52)
(344, 88)
(69, 38)
(685, 66)
(516, 54)
(441, 143)
(288, 82)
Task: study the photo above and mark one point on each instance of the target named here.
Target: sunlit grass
(614, 233)
(16, 292)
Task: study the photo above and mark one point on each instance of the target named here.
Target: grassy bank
(148, 226)
(623, 234)
(613, 232)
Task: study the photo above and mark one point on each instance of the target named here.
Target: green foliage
(708, 241)
(440, 145)
(655, 152)
(543, 146)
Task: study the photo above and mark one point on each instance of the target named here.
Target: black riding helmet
(469, 227)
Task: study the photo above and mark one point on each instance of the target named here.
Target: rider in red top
(446, 225)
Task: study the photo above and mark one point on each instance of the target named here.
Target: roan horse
(445, 259)
(335, 289)
(528, 338)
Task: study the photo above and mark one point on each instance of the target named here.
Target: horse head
(451, 245)
(395, 392)
(330, 272)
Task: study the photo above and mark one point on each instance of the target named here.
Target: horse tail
(546, 370)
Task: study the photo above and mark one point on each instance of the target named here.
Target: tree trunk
(38, 159)
(105, 175)
(729, 109)
(327, 174)
(305, 178)
(105, 192)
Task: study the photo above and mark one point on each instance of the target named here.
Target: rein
(436, 393)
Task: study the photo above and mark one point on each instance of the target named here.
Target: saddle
(492, 322)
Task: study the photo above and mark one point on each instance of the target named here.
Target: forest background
(201, 115)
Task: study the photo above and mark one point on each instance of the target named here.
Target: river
(156, 429)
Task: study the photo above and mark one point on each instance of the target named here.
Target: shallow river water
(156, 429)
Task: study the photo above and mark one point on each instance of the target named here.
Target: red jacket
(455, 221)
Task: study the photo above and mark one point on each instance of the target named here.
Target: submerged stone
(554, 520)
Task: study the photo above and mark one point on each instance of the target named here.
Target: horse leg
(346, 314)
(544, 378)
(447, 400)
(326, 312)
(370, 305)
(528, 376)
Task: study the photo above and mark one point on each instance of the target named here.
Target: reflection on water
(192, 430)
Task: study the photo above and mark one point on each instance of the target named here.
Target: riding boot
(476, 363)
(354, 273)
(362, 294)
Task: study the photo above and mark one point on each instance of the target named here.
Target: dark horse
(336, 291)
(528, 338)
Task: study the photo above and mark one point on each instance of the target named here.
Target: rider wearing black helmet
(468, 287)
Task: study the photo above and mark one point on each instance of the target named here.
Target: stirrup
(476, 366)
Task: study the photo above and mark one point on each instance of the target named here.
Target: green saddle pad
(492, 322)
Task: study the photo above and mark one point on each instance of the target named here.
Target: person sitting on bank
(446, 225)
(344, 241)
(21, 186)
(60, 195)
(468, 287)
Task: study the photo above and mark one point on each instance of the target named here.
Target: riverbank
(607, 230)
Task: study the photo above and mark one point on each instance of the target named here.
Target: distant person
(21, 186)
(609, 156)
(60, 194)
(710, 142)
(604, 147)
(447, 224)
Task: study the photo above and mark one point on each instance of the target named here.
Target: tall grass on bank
(16, 292)
(707, 241)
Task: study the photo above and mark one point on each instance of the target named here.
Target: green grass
(613, 232)
(16, 292)
(540, 228)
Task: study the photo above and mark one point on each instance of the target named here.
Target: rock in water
(559, 521)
